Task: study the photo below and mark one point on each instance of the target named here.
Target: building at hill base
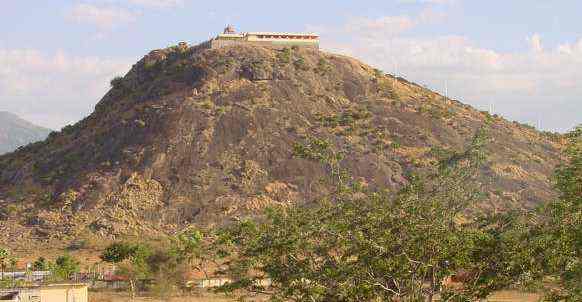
(46, 293)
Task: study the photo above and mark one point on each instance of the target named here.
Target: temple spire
(229, 30)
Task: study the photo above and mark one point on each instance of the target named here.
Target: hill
(16, 132)
(193, 136)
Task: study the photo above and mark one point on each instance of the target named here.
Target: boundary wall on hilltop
(216, 44)
(271, 40)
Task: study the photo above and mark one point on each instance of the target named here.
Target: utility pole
(446, 92)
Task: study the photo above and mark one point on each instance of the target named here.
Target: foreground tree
(4, 258)
(547, 245)
(40, 264)
(132, 261)
(65, 267)
(117, 252)
(559, 236)
(167, 271)
(363, 246)
(165, 265)
(187, 247)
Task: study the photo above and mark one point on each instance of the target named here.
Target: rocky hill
(194, 136)
(16, 132)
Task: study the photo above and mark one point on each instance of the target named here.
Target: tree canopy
(65, 266)
(363, 245)
(429, 240)
(559, 236)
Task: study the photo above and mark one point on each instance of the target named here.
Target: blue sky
(522, 58)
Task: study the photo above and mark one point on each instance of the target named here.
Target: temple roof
(229, 30)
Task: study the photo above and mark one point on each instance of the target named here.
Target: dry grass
(501, 296)
(514, 296)
(200, 297)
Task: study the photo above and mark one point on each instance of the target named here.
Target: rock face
(198, 137)
(16, 132)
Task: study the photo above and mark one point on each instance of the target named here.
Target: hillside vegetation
(199, 137)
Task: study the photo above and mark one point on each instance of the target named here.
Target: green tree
(4, 259)
(13, 261)
(132, 260)
(167, 269)
(560, 236)
(372, 245)
(40, 264)
(187, 245)
(548, 242)
(65, 267)
(117, 252)
(569, 175)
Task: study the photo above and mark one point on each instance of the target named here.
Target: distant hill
(16, 132)
(198, 137)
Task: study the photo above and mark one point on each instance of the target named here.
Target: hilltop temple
(270, 39)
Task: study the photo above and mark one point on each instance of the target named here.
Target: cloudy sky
(522, 58)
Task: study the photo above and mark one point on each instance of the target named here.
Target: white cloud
(157, 3)
(429, 1)
(539, 83)
(53, 89)
(104, 17)
(380, 28)
(384, 26)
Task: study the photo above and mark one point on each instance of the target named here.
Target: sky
(521, 59)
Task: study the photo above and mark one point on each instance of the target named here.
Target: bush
(285, 56)
(300, 64)
(68, 129)
(396, 145)
(77, 245)
(148, 65)
(117, 82)
(41, 264)
(64, 267)
(323, 66)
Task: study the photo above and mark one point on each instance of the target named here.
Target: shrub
(64, 267)
(41, 264)
(300, 64)
(150, 65)
(77, 245)
(285, 56)
(117, 82)
(323, 66)
(68, 129)
(396, 145)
